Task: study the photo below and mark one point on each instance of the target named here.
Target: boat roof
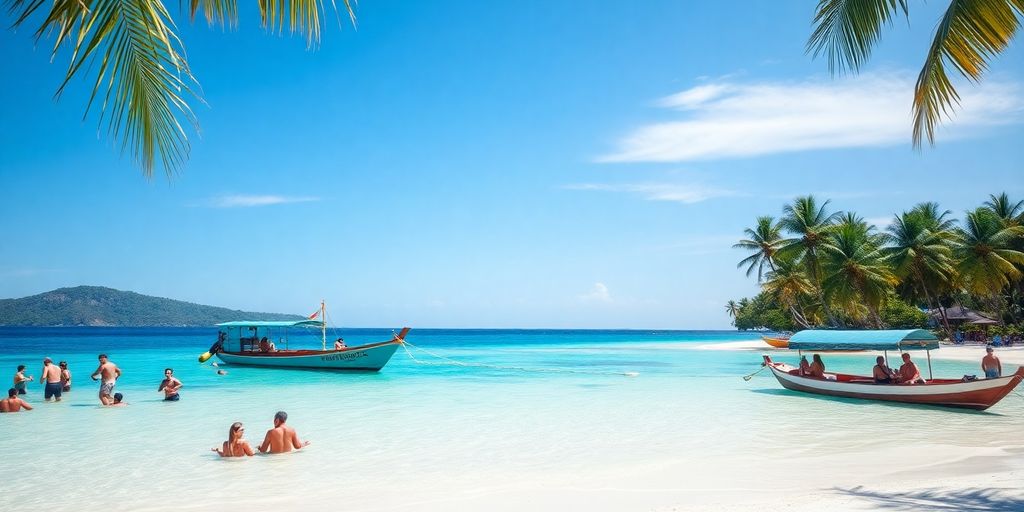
(265, 323)
(906, 339)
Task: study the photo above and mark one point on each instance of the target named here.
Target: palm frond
(846, 30)
(970, 33)
(303, 16)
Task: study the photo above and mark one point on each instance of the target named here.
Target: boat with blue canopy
(268, 343)
(965, 392)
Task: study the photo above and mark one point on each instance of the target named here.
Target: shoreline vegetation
(833, 269)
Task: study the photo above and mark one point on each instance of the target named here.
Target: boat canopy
(909, 339)
(259, 323)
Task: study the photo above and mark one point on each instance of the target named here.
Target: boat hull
(976, 394)
(776, 342)
(371, 357)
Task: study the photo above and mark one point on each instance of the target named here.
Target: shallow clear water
(427, 434)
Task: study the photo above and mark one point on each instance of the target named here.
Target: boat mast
(323, 326)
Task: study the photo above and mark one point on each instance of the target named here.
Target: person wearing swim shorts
(109, 373)
(170, 386)
(51, 380)
(990, 364)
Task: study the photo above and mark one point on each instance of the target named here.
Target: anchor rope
(454, 362)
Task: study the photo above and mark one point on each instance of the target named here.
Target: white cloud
(599, 293)
(248, 200)
(735, 120)
(679, 193)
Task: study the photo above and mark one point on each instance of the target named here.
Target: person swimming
(118, 400)
(236, 445)
(281, 438)
(13, 402)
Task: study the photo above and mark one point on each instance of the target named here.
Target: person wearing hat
(990, 364)
(51, 378)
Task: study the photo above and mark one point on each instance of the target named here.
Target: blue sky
(487, 164)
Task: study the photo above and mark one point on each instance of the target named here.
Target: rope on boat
(454, 362)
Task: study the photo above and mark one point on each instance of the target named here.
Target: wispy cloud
(675, 192)
(729, 119)
(249, 200)
(599, 293)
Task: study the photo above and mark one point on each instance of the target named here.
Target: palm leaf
(303, 16)
(846, 30)
(970, 33)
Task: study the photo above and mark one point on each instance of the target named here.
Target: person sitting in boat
(339, 344)
(909, 373)
(882, 373)
(805, 367)
(267, 346)
(817, 368)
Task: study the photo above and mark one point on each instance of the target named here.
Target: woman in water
(235, 446)
(65, 376)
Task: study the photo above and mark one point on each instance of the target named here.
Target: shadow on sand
(976, 499)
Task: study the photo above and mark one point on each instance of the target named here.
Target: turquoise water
(425, 434)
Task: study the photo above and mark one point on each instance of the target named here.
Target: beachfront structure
(966, 392)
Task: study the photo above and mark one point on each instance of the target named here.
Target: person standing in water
(236, 445)
(281, 438)
(13, 403)
(990, 364)
(65, 376)
(170, 386)
(109, 372)
(21, 381)
(51, 380)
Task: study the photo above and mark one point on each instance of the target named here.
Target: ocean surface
(469, 417)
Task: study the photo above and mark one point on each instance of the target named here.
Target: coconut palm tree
(788, 282)
(1009, 212)
(142, 79)
(764, 240)
(915, 251)
(986, 261)
(732, 308)
(855, 269)
(969, 35)
(811, 224)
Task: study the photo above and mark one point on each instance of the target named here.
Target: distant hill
(99, 306)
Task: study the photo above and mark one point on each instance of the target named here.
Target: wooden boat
(257, 343)
(777, 341)
(977, 394)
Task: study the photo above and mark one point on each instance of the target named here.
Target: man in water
(339, 344)
(882, 373)
(109, 373)
(13, 403)
(281, 438)
(51, 379)
(118, 400)
(21, 381)
(990, 364)
(909, 373)
(170, 386)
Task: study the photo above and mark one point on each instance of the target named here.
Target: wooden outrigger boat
(239, 342)
(777, 341)
(977, 394)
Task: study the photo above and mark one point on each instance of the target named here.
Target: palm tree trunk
(813, 266)
(928, 297)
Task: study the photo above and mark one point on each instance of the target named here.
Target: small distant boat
(977, 394)
(777, 341)
(257, 343)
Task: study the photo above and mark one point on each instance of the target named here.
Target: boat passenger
(805, 367)
(909, 373)
(65, 376)
(882, 373)
(990, 364)
(235, 446)
(281, 438)
(13, 403)
(817, 368)
(170, 386)
(339, 344)
(267, 346)
(20, 380)
(51, 379)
